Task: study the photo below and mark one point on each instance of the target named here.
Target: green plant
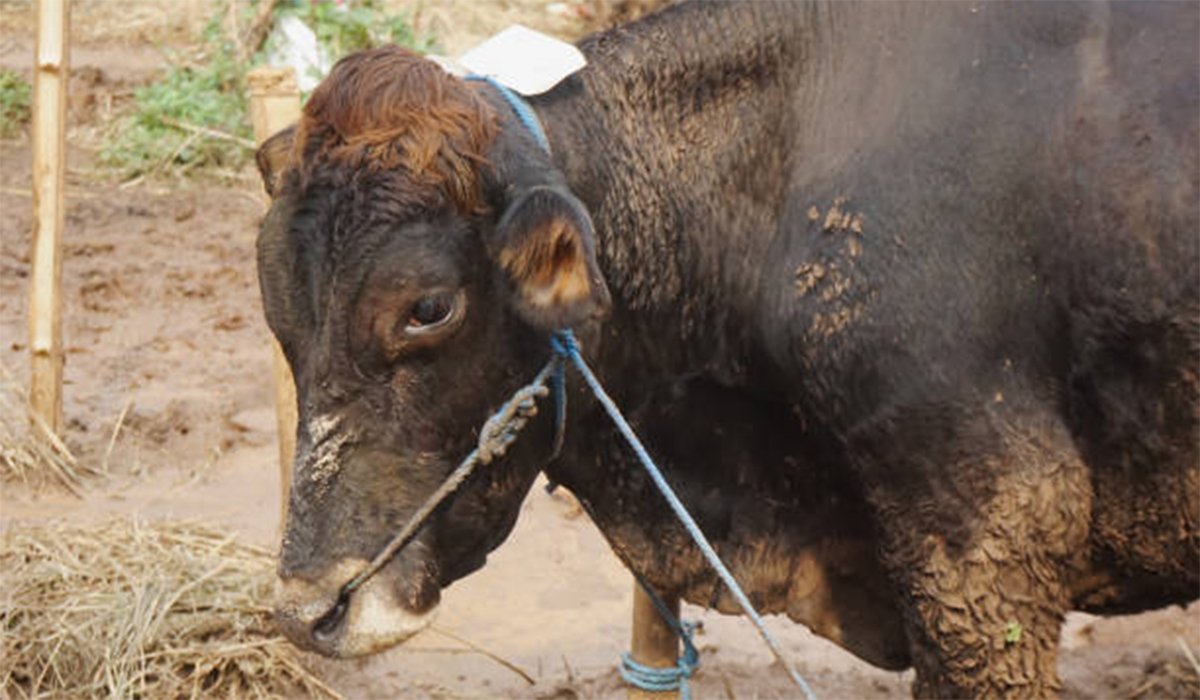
(165, 126)
(195, 116)
(14, 102)
(356, 26)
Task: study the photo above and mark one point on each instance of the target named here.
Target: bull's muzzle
(313, 615)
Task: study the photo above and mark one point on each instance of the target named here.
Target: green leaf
(14, 102)
(1012, 632)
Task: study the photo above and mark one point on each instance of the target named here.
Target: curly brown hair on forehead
(389, 109)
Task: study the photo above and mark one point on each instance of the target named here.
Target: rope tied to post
(663, 679)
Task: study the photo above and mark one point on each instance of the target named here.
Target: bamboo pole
(274, 106)
(51, 70)
(653, 642)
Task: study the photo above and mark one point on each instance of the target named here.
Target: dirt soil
(165, 337)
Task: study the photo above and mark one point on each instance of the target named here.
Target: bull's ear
(272, 157)
(546, 245)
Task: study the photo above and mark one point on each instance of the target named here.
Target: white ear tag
(524, 60)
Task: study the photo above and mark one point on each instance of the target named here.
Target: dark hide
(905, 296)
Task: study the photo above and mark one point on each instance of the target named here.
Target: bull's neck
(675, 137)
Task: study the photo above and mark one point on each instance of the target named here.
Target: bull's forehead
(390, 110)
(328, 248)
(418, 252)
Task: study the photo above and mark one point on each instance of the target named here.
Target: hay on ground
(29, 451)
(141, 610)
(1170, 675)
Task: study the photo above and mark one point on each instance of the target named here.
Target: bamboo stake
(49, 167)
(274, 106)
(653, 641)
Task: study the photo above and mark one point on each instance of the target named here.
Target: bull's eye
(432, 312)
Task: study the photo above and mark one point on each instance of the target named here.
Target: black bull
(905, 297)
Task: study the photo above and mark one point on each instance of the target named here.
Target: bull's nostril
(325, 628)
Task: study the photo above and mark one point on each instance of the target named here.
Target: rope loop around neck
(524, 112)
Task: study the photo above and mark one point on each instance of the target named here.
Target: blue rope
(662, 679)
(559, 385)
(563, 343)
(524, 112)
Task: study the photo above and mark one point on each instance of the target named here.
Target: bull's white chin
(376, 622)
(375, 618)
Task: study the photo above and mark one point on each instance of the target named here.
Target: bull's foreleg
(983, 514)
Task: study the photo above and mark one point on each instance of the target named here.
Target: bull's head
(419, 250)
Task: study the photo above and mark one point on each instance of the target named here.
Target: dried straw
(136, 610)
(1170, 676)
(29, 451)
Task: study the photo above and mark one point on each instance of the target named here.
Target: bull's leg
(983, 513)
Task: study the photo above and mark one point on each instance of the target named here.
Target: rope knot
(501, 429)
(563, 343)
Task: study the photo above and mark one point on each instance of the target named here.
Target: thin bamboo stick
(49, 167)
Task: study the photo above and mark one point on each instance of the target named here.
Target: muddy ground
(163, 328)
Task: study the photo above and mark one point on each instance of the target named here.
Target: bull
(904, 297)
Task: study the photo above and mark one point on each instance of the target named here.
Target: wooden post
(274, 106)
(51, 71)
(653, 641)
(285, 423)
